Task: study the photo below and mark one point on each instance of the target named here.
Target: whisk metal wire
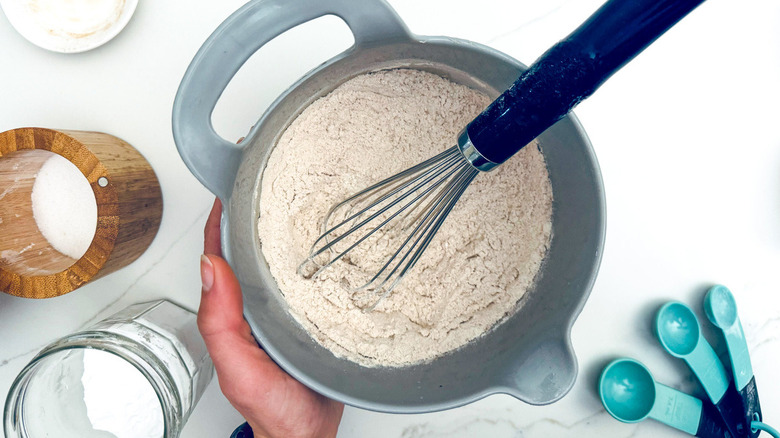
(418, 199)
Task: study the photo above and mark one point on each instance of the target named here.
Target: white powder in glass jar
(119, 399)
(477, 268)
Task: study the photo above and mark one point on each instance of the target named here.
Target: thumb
(221, 304)
(228, 337)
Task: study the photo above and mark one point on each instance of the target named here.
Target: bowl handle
(546, 375)
(212, 159)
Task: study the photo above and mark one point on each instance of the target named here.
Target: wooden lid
(45, 272)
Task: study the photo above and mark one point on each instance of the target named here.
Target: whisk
(389, 225)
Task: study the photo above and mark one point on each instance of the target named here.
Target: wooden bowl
(129, 209)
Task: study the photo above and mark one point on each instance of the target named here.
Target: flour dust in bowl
(528, 354)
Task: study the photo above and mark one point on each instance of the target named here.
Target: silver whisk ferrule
(382, 231)
(471, 153)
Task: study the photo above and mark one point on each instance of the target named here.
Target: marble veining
(687, 147)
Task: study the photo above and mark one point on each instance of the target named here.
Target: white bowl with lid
(69, 26)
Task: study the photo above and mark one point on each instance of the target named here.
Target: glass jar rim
(136, 354)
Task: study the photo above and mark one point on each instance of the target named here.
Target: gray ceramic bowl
(528, 356)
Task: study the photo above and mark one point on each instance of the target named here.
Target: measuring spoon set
(731, 410)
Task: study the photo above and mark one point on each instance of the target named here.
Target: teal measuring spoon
(721, 309)
(679, 331)
(630, 394)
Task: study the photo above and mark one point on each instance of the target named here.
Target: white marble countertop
(686, 136)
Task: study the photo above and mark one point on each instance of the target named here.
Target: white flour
(64, 207)
(476, 269)
(119, 399)
(75, 18)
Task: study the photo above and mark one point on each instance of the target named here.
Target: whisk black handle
(571, 71)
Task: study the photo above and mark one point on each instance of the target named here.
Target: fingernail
(206, 273)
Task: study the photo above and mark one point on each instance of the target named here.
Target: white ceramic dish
(69, 26)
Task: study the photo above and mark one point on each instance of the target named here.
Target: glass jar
(92, 384)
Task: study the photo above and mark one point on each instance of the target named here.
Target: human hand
(273, 403)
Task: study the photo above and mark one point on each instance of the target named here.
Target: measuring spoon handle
(752, 406)
(706, 365)
(739, 355)
(720, 306)
(687, 413)
(711, 423)
(746, 401)
(676, 409)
